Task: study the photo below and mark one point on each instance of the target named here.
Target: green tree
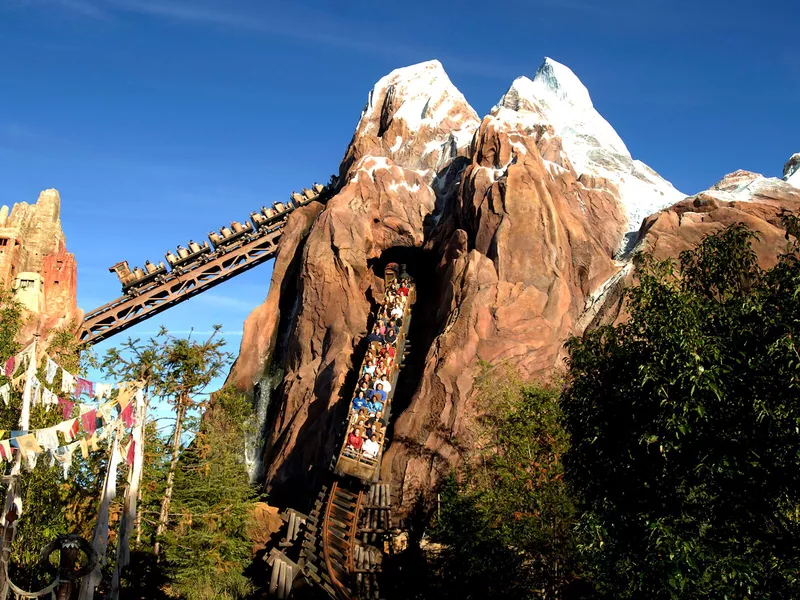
(208, 548)
(51, 506)
(685, 428)
(12, 318)
(176, 372)
(506, 521)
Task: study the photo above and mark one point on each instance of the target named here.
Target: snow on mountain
(426, 102)
(791, 170)
(746, 186)
(556, 97)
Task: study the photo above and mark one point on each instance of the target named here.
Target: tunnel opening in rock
(421, 265)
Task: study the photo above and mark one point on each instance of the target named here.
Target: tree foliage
(506, 520)
(207, 546)
(685, 428)
(51, 506)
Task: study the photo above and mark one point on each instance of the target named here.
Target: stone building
(34, 262)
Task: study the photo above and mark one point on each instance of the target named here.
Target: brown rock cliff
(513, 250)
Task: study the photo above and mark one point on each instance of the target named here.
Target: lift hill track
(153, 290)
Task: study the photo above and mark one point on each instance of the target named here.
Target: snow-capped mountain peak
(420, 94)
(553, 78)
(556, 97)
(420, 119)
(791, 170)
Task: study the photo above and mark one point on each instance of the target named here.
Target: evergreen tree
(207, 549)
(176, 371)
(685, 428)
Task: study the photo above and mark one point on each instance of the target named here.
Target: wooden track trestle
(339, 529)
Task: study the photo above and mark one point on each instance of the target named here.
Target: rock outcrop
(34, 262)
(517, 228)
(739, 197)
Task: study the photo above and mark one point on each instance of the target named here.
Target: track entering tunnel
(421, 265)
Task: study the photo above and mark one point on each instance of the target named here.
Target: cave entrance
(421, 266)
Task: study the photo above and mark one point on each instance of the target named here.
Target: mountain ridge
(512, 223)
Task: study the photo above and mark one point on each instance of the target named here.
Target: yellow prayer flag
(84, 448)
(28, 443)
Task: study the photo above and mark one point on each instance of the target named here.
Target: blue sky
(160, 120)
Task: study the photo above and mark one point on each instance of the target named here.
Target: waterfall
(262, 398)
(254, 440)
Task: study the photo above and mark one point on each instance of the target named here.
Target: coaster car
(258, 219)
(391, 273)
(188, 255)
(271, 214)
(132, 280)
(228, 235)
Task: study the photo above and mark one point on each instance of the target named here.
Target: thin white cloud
(193, 332)
(296, 29)
(227, 302)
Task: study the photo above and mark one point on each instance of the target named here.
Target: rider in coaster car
(393, 325)
(354, 439)
(369, 368)
(371, 447)
(360, 401)
(374, 407)
(379, 394)
(384, 383)
(375, 336)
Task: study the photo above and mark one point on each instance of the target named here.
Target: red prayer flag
(83, 385)
(66, 408)
(131, 452)
(89, 421)
(10, 366)
(127, 415)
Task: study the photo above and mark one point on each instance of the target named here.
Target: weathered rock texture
(511, 225)
(34, 262)
(739, 197)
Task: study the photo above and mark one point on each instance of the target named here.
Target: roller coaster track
(350, 528)
(337, 546)
(126, 311)
(339, 529)
(182, 283)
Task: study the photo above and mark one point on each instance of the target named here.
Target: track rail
(339, 530)
(178, 286)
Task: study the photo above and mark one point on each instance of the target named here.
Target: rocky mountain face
(518, 229)
(34, 262)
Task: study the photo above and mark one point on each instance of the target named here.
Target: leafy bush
(685, 428)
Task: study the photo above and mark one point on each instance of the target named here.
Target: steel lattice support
(177, 286)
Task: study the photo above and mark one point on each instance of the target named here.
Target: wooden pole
(69, 556)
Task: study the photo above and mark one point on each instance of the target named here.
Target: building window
(3, 241)
(59, 264)
(26, 284)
